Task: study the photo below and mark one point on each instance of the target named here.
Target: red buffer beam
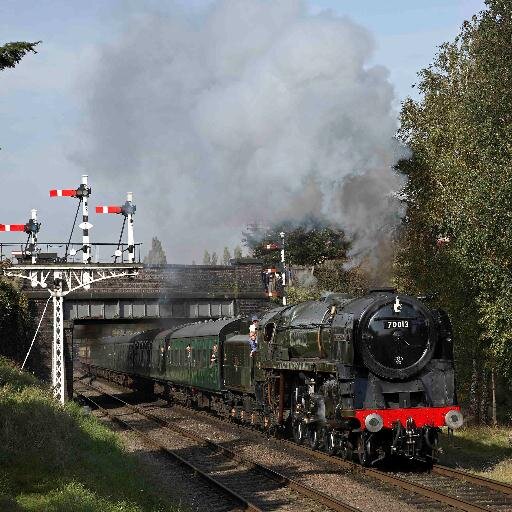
(12, 227)
(66, 192)
(108, 209)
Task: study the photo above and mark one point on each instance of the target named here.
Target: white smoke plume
(250, 110)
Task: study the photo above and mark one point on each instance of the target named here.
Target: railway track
(253, 486)
(446, 486)
(442, 484)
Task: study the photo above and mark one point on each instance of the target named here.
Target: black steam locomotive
(368, 377)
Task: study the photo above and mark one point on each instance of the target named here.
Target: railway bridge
(160, 295)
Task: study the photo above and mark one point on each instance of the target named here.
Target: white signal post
(283, 277)
(85, 226)
(130, 210)
(34, 228)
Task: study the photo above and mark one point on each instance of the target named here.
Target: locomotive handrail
(304, 326)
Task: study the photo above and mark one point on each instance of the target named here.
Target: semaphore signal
(31, 228)
(82, 193)
(272, 272)
(127, 210)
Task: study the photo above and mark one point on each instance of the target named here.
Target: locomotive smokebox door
(396, 337)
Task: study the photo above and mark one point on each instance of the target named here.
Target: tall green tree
(156, 255)
(12, 53)
(207, 260)
(237, 253)
(214, 258)
(460, 187)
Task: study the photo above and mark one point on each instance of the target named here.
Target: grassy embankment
(485, 451)
(56, 458)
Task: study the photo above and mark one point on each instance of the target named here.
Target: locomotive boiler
(369, 377)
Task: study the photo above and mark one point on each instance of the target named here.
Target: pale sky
(42, 101)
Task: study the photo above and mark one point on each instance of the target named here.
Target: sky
(49, 104)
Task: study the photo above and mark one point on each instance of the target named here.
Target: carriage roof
(207, 328)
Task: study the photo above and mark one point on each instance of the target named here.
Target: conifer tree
(226, 256)
(156, 255)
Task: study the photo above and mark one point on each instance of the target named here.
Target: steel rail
(495, 485)
(309, 492)
(245, 504)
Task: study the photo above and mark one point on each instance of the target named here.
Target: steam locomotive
(367, 378)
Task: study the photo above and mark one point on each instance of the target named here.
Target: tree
(156, 255)
(237, 253)
(206, 258)
(12, 53)
(214, 259)
(460, 188)
(310, 243)
(226, 256)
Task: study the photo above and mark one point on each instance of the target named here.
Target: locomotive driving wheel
(364, 450)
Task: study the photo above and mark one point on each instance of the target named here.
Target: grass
(56, 458)
(485, 451)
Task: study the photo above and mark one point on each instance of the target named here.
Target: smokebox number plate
(396, 324)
